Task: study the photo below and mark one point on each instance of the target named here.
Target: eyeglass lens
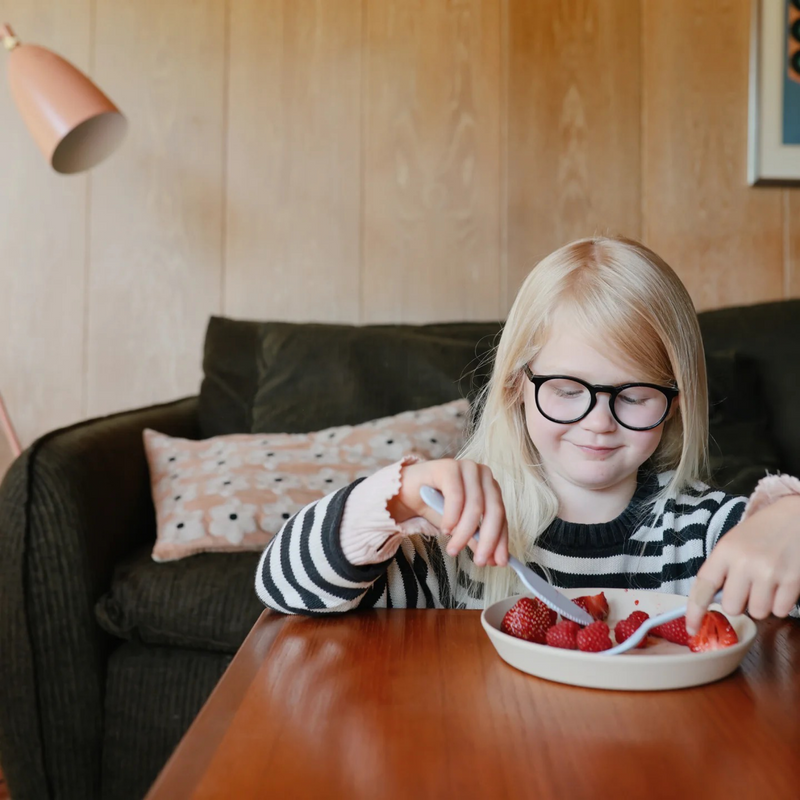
(564, 400)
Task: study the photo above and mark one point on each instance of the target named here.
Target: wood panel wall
(363, 161)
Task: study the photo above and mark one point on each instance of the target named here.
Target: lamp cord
(9, 40)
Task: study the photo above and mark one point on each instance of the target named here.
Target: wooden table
(417, 704)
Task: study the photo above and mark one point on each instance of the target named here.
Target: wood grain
(573, 126)
(156, 206)
(409, 703)
(294, 147)
(724, 238)
(42, 241)
(431, 161)
(791, 226)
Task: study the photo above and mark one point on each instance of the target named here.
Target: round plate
(659, 666)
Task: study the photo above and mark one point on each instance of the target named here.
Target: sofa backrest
(262, 377)
(267, 377)
(767, 334)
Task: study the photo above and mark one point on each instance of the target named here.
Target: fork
(648, 625)
(548, 594)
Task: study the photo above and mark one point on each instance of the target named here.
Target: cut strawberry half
(715, 633)
(596, 606)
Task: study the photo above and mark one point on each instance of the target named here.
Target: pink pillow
(235, 492)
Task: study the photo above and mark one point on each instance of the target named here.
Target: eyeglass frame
(670, 392)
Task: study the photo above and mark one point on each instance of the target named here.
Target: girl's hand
(472, 500)
(758, 562)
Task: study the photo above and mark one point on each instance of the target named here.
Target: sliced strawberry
(527, 619)
(596, 606)
(594, 638)
(626, 627)
(715, 633)
(674, 631)
(564, 635)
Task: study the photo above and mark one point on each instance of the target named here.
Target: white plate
(660, 666)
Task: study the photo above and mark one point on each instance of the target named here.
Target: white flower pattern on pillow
(232, 521)
(227, 485)
(186, 527)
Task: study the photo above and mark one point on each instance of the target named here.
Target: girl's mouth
(596, 452)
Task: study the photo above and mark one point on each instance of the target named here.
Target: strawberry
(715, 633)
(594, 638)
(564, 635)
(625, 627)
(527, 619)
(596, 606)
(674, 631)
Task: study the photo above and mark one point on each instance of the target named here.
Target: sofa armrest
(71, 506)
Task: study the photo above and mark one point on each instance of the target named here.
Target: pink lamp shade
(74, 124)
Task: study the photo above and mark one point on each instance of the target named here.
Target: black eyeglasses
(636, 406)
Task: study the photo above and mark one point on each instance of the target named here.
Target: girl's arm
(346, 551)
(375, 544)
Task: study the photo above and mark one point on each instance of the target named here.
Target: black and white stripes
(304, 571)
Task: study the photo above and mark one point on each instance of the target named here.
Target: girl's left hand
(757, 562)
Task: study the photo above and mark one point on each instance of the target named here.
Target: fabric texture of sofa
(106, 656)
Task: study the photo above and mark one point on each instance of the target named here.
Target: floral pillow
(235, 492)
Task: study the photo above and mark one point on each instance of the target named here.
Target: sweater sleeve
(305, 570)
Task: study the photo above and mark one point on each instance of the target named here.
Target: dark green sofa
(107, 656)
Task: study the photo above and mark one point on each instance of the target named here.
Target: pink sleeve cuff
(770, 489)
(368, 534)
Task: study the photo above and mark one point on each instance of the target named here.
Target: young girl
(585, 462)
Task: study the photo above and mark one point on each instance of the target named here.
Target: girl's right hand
(472, 500)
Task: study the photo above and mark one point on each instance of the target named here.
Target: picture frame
(774, 94)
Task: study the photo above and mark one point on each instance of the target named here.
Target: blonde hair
(626, 295)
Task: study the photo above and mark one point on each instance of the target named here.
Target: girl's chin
(599, 478)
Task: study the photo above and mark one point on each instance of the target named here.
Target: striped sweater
(304, 569)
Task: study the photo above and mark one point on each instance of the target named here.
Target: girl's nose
(600, 419)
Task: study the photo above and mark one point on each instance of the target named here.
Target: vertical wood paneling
(156, 206)
(724, 238)
(363, 160)
(432, 160)
(42, 242)
(791, 222)
(294, 149)
(574, 110)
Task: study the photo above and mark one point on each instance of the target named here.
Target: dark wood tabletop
(417, 704)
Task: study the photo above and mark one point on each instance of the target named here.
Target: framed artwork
(774, 113)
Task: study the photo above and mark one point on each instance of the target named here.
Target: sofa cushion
(206, 602)
(304, 377)
(317, 375)
(741, 446)
(230, 375)
(767, 334)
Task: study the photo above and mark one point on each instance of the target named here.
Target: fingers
(703, 590)
(786, 597)
(472, 500)
(493, 543)
(470, 511)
